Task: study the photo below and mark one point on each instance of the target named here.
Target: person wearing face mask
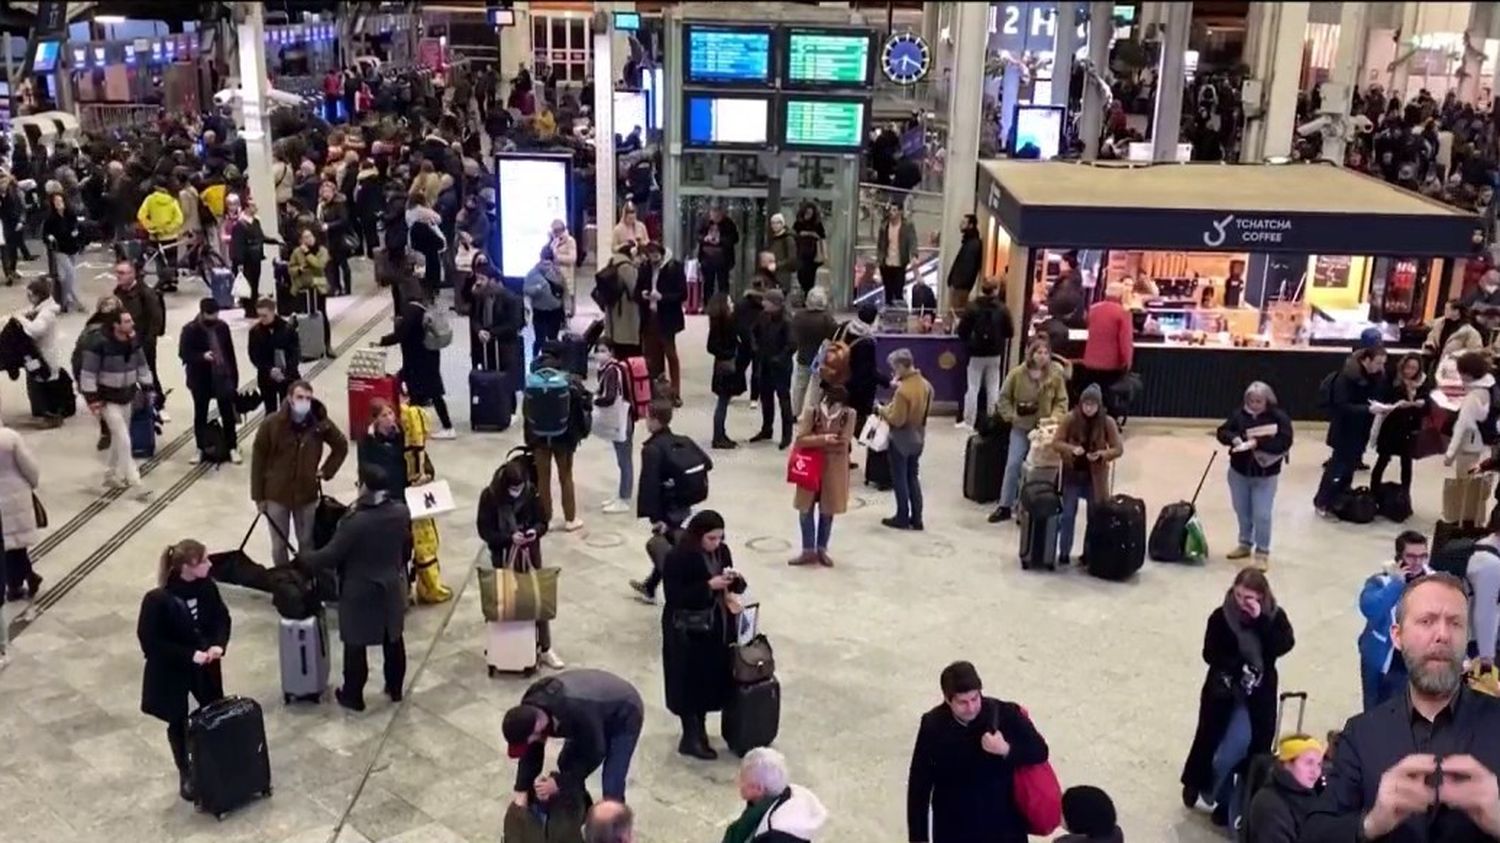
(1382, 674)
(511, 522)
(285, 473)
(183, 629)
(207, 352)
(275, 353)
(783, 247)
(1237, 705)
(1034, 391)
(1279, 809)
(369, 550)
(1419, 768)
(113, 375)
(1352, 413)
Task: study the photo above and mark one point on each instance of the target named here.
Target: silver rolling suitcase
(304, 659)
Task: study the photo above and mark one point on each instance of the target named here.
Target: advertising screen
(536, 191)
(630, 112)
(827, 57)
(830, 124)
(44, 57)
(1038, 132)
(720, 55)
(714, 120)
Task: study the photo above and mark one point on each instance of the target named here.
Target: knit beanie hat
(1092, 393)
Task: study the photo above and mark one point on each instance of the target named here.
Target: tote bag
(519, 591)
(1038, 795)
(804, 468)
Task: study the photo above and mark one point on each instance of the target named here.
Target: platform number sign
(906, 58)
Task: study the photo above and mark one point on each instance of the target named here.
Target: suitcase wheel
(493, 672)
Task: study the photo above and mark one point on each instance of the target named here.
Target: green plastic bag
(1195, 546)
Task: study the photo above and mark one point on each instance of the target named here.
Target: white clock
(906, 58)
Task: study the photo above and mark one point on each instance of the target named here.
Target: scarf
(1244, 636)
(743, 829)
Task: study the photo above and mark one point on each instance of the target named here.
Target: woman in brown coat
(827, 426)
(1088, 441)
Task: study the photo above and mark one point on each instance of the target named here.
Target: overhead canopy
(1300, 208)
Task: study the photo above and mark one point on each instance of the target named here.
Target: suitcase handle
(1211, 457)
(1301, 698)
(250, 532)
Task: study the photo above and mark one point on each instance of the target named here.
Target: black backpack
(1393, 502)
(213, 444)
(986, 330)
(685, 472)
(292, 593)
(1357, 506)
(1325, 394)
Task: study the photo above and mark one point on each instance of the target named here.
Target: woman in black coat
(1397, 437)
(1350, 419)
(183, 629)
(421, 367)
(385, 446)
(511, 518)
(333, 215)
(728, 379)
(1237, 705)
(698, 624)
(669, 283)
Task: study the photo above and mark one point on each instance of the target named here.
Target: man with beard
(1419, 767)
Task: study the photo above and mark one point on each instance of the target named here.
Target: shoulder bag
(40, 512)
(1038, 794)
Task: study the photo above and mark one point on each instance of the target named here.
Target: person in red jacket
(1110, 349)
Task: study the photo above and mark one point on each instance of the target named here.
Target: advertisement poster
(535, 192)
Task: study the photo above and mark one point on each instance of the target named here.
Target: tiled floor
(1110, 672)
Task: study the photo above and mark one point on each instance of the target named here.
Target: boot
(763, 436)
(430, 587)
(177, 739)
(807, 557)
(694, 743)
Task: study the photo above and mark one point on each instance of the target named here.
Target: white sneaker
(547, 658)
(445, 433)
(617, 508)
(573, 526)
(196, 458)
(234, 456)
(962, 425)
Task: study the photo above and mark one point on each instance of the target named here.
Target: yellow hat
(1295, 745)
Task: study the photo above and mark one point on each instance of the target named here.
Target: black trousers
(17, 568)
(1380, 465)
(715, 279)
(357, 667)
(252, 277)
(775, 386)
(893, 279)
(369, 227)
(547, 324)
(340, 276)
(208, 686)
(273, 392)
(148, 347)
(807, 276)
(202, 398)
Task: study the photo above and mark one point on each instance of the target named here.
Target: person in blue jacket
(1382, 673)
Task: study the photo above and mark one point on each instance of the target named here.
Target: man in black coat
(718, 240)
(662, 288)
(968, 750)
(966, 264)
(599, 717)
(275, 352)
(207, 351)
(1419, 767)
(656, 498)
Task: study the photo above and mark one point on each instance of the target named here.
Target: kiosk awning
(1302, 208)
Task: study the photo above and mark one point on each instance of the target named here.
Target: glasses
(1416, 557)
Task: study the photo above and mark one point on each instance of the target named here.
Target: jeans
(618, 749)
(67, 281)
(1336, 475)
(357, 667)
(1377, 688)
(1072, 493)
(721, 412)
(907, 484)
(816, 529)
(119, 464)
(281, 518)
(985, 370)
(1253, 499)
(1233, 749)
(625, 460)
(1015, 463)
(545, 456)
(201, 399)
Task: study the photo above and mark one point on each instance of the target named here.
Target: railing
(927, 95)
(923, 207)
(103, 116)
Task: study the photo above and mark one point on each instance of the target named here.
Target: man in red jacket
(1110, 348)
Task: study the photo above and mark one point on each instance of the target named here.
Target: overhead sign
(51, 19)
(824, 123)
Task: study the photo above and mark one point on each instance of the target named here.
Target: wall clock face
(906, 58)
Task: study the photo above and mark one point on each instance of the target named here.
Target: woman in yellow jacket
(308, 268)
(424, 533)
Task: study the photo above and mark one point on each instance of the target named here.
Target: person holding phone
(1089, 440)
(512, 522)
(1397, 437)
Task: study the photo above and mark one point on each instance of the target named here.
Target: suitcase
(878, 470)
(1038, 541)
(1114, 547)
(309, 329)
(510, 647)
(1259, 768)
(1393, 501)
(221, 287)
(1168, 541)
(304, 659)
(226, 742)
(492, 401)
(143, 431)
(753, 716)
(984, 468)
(1444, 532)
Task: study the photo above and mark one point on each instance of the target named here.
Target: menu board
(828, 57)
(832, 124)
(722, 55)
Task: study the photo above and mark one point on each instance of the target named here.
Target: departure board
(722, 55)
(828, 57)
(824, 123)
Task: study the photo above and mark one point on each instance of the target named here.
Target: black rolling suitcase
(1168, 541)
(753, 716)
(1036, 516)
(1114, 547)
(984, 467)
(492, 398)
(878, 470)
(227, 755)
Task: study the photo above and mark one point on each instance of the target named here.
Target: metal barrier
(105, 116)
(923, 207)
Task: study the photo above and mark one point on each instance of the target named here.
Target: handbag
(40, 511)
(753, 661)
(694, 620)
(804, 468)
(1038, 795)
(876, 434)
(520, 591)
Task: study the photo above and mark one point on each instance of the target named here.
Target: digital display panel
(828, 57)
(44, 57)
(721, 55)
(536, 189)
(1038, 132)
(831, 124)
(714, 120)
(630, 112)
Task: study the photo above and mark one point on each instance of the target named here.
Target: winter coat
(369, 550)
(421, 367)
(654, 501)
(500, 515)
(832, 496)
(810, 328)
(111, 371)
(695, 665)
(724, 347)
(670, 280)
(967, 263)
(42, 326)
(1278, 809)
(980, 309)
(1048, 396)
(586, 709)
(795, 815)
(169, 635)
(64, 231)
(1099, 434)
(191, 204)
(539, 288)
(309, 270)
(1398, 432)
(265, 341)
(334, 215)
(773, 345)
(1462, 337)
(809, 234)
(1110, 346)
(1350, 417)
(1377, 603)
(906, 246)
(907, 413)
(622, 322)
(718, 242)
(1244, 463)
(784, 247)
(971, 793)
(221, 377)
(1472, 412)
(1222, 690)
(20, 474)
(284, 461)
(865, 379)
(160, 215)
(388, 451)
(247, 242)
(145, 309)
(498, 310)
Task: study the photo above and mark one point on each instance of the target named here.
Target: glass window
(538, 33)
(579, 32)
(559, 33)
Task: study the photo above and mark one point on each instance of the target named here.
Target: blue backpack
(547, 404)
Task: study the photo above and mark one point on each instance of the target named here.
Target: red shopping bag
(1038, 795)
(804, 468)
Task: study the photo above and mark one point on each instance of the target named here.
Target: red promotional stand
(368, 380)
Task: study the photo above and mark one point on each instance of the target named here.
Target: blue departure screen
(728, 55)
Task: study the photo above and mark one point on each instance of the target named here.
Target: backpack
(1357, 506)
(580, 408)
(292, 593)
(1489, 433)
(1453, 558)
(213, 444)
(985, 333)
(547, 403)
(607, 288)
(1325, 393)
(437, 334)
(832, 360)
(637, 386)
(685, 472)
